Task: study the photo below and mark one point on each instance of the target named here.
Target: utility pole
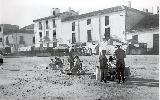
(78, 32)
(100, 35)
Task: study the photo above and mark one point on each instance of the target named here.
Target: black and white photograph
(79, 49)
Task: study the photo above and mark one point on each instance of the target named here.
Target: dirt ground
(27, 79)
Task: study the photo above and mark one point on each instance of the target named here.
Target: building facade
(15, 38)
(146, 34)
(102, 25)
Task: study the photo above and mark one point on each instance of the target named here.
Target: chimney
(69, 9)
(129, 4)
(55, 11)
(145, 10)
(157, 9)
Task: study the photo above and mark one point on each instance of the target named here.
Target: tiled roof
(94, 13)
(45, 18)
(27, 29)
(101, 12)
(148, 22)
(9, 29)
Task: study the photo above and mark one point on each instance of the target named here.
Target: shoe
(118, 81)
(101, 81)
(105, 81)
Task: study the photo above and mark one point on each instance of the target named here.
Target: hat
(117, 45)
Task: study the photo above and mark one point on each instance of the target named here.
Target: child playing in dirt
(77, 65)
(52, 65)
(58, 62)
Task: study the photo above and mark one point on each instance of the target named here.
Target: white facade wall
(147, 37)
(116, 24)
(50, 30)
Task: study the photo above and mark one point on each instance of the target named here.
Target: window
(40, 25)
(21, 41)
(47, 27)
(47, 33)
(54, 24)
(156, 42)
(54, 13)
(106, 20)
(107, 33)
(54, 34)
(0, 39)
(73, 37)
(73, 26)
(40, 34)
(88, 21)
(47, 44)
(41, 45)
(89, 36)
(54, 44)
(33, 40)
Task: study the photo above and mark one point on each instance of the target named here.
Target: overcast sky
(23, 12)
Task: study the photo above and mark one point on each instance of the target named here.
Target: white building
(146, 32)
(1, 36)
(62, 28)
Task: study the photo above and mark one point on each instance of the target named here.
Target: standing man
(120, 64)
(103, 66)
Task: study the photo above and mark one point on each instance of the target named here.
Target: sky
(23, 12)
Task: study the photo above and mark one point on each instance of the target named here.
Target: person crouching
(77, 65)
(103, 66)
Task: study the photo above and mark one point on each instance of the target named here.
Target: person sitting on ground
(71, 60)
(58, 62)
(52, 64)
(77, 65)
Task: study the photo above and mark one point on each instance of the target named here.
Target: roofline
(136, 10)
(98, 13)
(49, 17)
(122, 9)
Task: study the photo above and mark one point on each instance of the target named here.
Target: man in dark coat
(120, 64)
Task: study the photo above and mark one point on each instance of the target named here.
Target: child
(58, 62)
(103, 66)
(71, 61)
(52, 64)
(77, 65)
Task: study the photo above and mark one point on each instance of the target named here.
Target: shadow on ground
(143, 82)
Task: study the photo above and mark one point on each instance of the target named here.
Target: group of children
(75, 64)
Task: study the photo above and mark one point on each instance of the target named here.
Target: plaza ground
(27, 78)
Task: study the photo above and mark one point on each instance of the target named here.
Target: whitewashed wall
(50, 29)
(116, 24)
(147, 37)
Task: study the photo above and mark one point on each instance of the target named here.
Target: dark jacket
(103, 62)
